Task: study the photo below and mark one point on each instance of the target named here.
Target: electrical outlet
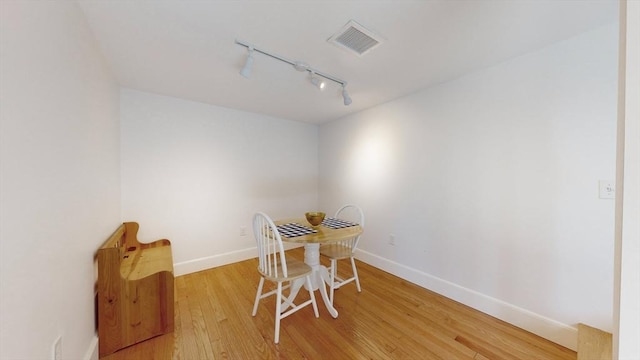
(57, 349)
(392, 239)
(243, 231)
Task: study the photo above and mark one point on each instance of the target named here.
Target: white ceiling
(187, 49)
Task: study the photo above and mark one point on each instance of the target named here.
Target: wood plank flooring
(390, 319)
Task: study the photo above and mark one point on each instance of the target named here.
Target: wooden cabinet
(135, 289)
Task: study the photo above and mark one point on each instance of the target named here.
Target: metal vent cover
(356, 38)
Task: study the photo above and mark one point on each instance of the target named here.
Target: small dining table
(312, 243)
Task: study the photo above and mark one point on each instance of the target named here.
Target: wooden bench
(135, 289)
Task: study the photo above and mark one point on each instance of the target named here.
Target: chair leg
(258, 293)
(278, 315)
(313, 297)
(332, 279)
(355, 273)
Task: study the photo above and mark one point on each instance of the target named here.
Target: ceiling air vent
(356, 38)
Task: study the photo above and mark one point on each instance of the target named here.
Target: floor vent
(356, 38)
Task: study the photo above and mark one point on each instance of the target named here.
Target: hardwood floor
(390, 319)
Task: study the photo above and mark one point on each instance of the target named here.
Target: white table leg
(321, 274)
(318, 280)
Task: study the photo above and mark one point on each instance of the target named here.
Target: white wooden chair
(274, 266)
(344, 249)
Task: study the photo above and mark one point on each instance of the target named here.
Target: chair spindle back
(354, 214)
(270, 250)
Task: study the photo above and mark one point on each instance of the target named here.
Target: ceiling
(186, 49)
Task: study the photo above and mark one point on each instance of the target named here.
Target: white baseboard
(92, 351)
(549, 329)
(195, 265)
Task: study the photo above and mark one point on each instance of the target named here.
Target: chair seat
(295, 268)
(336, 251)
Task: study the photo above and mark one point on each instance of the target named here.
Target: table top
(324, 234)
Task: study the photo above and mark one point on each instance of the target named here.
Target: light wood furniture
(343, 249)
(274, 266)
(135, 289)
(312, 243)
(594, 343)
(390, 319)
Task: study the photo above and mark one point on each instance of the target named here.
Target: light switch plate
(607, 189)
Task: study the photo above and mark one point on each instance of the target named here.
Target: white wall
(59, 136)
(490, 185)
(196, 173)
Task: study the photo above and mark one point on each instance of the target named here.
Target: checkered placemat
(293, 230)
(337, 223)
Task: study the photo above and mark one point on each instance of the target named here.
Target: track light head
(345, 95)
(246, 70)
(319, 83)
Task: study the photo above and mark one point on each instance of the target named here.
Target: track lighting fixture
(246, 70)
(317, 77)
